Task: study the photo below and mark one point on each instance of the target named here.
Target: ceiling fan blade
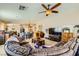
(58, 4)
(42, 11)
(54, 11)
(44, 7)
(48, 6)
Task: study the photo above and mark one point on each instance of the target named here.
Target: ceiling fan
(49, 10)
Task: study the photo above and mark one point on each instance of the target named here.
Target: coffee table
(47, 42)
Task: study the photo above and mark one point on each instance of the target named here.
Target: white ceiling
(10, 12)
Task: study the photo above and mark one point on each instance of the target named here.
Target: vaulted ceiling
(10, 12)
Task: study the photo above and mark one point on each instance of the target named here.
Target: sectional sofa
(67, 49)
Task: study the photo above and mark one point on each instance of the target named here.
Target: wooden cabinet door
(66, 36)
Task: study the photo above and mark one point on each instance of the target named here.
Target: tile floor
(2, 51)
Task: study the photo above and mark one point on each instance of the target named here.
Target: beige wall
(2, 25)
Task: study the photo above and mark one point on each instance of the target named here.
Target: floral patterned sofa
(68, 49)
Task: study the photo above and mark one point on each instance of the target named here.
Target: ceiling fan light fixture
(48, 12)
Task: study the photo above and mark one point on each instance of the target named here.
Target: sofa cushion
(75, 48)
(39, 52)
(49, 51)
(69, 53)
(73, 45)
(69, 43)
(17, 49)
(57, 52)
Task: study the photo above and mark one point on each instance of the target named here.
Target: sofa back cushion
(69, 43)
(17, 49)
